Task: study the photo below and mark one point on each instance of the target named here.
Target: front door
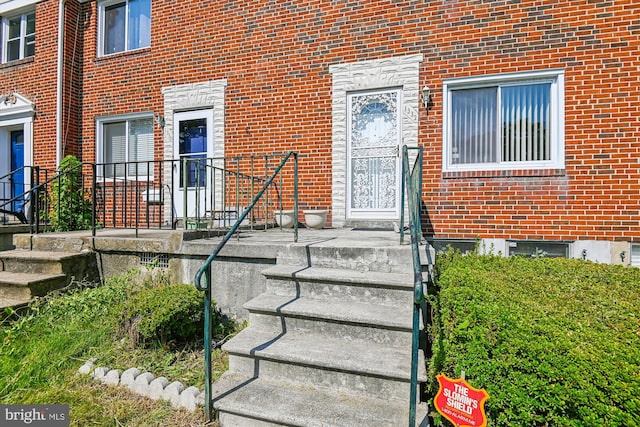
(17, 162)
(193, 145)
(373, 139)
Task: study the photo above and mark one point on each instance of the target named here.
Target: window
(125, 147)
(19, 35)
(538, 249)
(635, 254)
(124, 25)
(504, 122)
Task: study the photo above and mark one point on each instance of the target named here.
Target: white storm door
(373, 154)
(193, 143)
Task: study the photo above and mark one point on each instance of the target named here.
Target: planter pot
(284, 218)
(315, 218)
(196, 225)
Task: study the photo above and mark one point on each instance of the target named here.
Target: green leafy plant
(171, 313)
(554, 342)
(70, 206)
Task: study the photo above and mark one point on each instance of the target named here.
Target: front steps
(329, 343)
(26, 274)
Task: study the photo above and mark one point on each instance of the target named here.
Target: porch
(333, 313)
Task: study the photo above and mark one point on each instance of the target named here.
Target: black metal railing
(205, 269)
(15, 191)
(191, 192)
(412, 186)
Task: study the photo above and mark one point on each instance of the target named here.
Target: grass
(43, 347)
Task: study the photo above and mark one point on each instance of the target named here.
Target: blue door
(17, 162)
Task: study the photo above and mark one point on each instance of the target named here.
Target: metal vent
(151, 260)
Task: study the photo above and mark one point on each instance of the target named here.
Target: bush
(70, 208)
(164, 314)
(555, 342)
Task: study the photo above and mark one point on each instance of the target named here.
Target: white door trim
(401, 72)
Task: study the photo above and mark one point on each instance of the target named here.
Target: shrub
(555, 342)
(70, 209)
(164, 314)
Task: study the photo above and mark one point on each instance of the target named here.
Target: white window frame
(634, 256)
(554, 77)
(100, 144)
(102, 5)
(23, 29)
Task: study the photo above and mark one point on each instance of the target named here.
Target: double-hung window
(504, 122)
(125, 147)
(19, 36)
(124, 25)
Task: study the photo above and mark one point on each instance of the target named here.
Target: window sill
(520, 173)
(16, 63)
(135, 52)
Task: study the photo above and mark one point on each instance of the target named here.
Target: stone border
(145, 384)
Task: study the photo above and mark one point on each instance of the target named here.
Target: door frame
(389, 72)
(178, 196)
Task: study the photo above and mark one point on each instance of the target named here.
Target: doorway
(374, 136)
(193, 147)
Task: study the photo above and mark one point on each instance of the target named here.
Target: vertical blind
(501, 124)
(124, 142)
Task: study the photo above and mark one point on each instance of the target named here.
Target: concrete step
(353, 255)
(246, 401)
(340, 284)
(351, 321)
(43, 262)
(18, 288)
(324, 352)
(48, 242)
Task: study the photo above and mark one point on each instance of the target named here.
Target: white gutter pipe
(61, 7)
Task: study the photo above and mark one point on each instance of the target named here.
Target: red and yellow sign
(460, 403)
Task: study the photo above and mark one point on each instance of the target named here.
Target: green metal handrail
(205, 270)
(412, 185)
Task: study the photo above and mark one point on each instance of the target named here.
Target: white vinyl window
(504, 122)
(125, 147)
(19, 36)
(123, 25)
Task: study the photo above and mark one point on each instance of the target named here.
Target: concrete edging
(145, 384)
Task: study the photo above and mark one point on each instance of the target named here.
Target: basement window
(462, 246)
(635, 254)
(538, 249)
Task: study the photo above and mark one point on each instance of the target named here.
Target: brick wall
(275, 57)
(35, 79)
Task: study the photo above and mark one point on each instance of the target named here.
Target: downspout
(61, 7)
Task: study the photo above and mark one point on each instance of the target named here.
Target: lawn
(43, 347)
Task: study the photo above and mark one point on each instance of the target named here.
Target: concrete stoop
(26, 274)
(326, 346)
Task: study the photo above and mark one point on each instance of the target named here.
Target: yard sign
(460, 403)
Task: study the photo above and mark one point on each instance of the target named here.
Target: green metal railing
(412, 186)
(205, 270)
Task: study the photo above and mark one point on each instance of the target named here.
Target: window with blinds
(504, 122)
(127, 148)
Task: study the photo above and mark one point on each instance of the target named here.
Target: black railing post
(94, 199)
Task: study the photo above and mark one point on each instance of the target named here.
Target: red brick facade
(275, 57)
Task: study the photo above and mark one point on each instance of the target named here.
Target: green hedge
(555, 342)
(166, 313)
